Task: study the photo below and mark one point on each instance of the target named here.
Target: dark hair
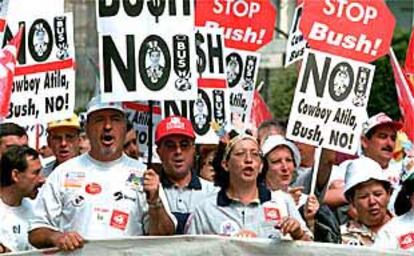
(222, 177)
(14, 158)
(7, 129)
(129, 125)
(402, 202)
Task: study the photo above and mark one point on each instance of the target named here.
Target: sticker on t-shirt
(135, 181)
(119, 219)
(93, 188)
(74, 179)
(229, 228)
(271, 214)
(78, 201)
(406, 241)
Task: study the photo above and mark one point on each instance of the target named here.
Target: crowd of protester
(250, 184)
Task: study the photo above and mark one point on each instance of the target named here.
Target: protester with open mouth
(20, 179)
(244, 207)
(102, 193)
(368, 190)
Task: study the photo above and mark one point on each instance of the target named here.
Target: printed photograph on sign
(209, 113)
(247, 24)
(138, 114)
(44, 81)
(144, 17)
(330, 101)
(296, 43)
(242, 68)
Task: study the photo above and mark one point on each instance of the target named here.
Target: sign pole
(317, 156)
(150, 128)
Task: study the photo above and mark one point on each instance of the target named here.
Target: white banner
(146, 50)
(44, 81)
(330, 101)
(242, 68)
(215, 245)
(296, 43)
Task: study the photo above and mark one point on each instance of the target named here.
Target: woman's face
(281, 167)
(244, 163)
(207, 171)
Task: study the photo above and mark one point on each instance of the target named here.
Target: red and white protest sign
(248, 24)
(357, 29)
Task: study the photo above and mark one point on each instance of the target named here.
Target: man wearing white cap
(101, 194)
(368, 191)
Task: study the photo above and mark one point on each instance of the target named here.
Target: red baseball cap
(174, 125)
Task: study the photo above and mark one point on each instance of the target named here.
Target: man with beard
(101, 194)
(175, 138)
(20, 179)
(63, 139)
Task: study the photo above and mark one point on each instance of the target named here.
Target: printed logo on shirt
(406, 241)
(119, 219)
(78, 201)
(93, 188)
(271, 214)
(229, 228)
(74, 179)
(135, 181)
(119, 196)
(16, 229)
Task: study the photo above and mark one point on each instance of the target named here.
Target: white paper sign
(147, 50)
(330, 101)
(44, 81)
(296, 43)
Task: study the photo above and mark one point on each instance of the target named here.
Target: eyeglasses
(70, 137)
(184, 145)
(255, 155)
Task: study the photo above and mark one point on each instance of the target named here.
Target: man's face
(370, 201)
(176, 153)
(64, 142)
(106, 132)
(130, 145)
(11, 140)
(381, 145)
(30, 180)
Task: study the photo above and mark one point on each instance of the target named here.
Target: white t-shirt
(14, 225)
(96, 199)
(398, 233)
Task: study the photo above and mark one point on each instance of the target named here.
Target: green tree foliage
(280, 84)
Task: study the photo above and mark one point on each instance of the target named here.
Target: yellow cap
(69, 122)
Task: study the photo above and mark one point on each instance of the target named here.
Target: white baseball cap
(380, 119)
(274, 141)
(361, 170)
(96, 104)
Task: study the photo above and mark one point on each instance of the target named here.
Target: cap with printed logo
(362, 170)
(96, 104)
(73, 122)
(174, 125)
(274, 141)
(380, 119)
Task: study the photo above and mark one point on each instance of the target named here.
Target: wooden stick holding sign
(150, 129)
(317, 157)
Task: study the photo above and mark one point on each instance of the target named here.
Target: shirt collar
(224, 200)
(195, 182)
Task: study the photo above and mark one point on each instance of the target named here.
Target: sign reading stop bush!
(357, 29)
(247, 24)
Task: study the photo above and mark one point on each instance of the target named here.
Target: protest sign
(296, 43)
(4, 6)
(210, 112)
(359, 29)
(247, 24)
(330, 101)
(138, 113)
(242, 68)
(146, 51)
(44, 81)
